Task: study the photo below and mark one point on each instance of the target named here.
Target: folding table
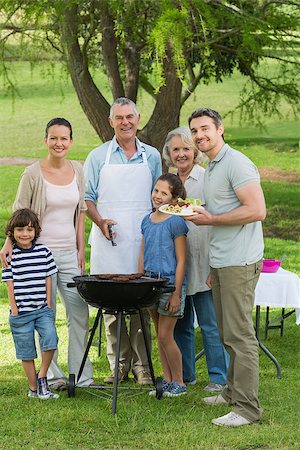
(277, 290)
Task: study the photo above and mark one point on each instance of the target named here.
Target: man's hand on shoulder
(6, 253)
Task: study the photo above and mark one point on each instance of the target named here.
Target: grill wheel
(71, 385)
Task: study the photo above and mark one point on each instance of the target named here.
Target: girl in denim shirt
(163, 253)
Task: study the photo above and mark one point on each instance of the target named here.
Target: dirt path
(17, 161)
(272, 174)
(266, 173)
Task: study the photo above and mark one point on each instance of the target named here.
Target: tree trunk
(165, 116)
(109, 51)
(166, 112)
(92, 101)
(132, 59)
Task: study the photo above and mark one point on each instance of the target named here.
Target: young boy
(28, 279)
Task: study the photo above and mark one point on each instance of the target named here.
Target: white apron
(124, 195)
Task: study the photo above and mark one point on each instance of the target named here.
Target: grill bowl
(120, 295)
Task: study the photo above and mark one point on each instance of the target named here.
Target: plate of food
(181, 208)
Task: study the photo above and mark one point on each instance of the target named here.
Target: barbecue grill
(120, 295)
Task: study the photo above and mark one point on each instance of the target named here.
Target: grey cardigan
(32, 192)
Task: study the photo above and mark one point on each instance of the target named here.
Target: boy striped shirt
(28, 269)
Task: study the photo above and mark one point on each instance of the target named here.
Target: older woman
(54, 188)
(180, 152)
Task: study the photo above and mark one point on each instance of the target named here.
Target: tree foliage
(167, 48)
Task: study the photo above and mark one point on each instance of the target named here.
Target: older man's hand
(104, 227)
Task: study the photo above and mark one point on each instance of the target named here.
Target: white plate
(186, 212)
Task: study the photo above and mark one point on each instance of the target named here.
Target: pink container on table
(270, 265)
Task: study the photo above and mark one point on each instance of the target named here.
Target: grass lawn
(142, 422)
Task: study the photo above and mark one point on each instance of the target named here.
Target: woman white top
(54, 189)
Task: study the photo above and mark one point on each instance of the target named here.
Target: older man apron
(124, 195)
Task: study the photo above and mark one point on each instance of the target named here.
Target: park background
(45, 91)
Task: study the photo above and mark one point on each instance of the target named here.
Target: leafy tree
(165, 47)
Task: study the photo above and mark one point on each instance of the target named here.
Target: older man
(235, 207)
(119, 178)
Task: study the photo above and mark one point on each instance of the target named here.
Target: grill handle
(165, 289)
(111, 234)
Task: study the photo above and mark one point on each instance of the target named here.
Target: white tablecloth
(279, 290)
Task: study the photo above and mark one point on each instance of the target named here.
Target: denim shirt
(159, 248)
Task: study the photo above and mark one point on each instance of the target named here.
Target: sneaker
(44, 392)
(143, 377)
(165, 387)
(215, 400)
(214, 387)
(122, 376)
(231, 420)
(32, 393)
(175, 390)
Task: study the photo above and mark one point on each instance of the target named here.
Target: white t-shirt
(58, 231)
(197, 267)
(28, 269)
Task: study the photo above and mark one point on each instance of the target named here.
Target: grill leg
(99, 336)
(116, 377)
(99, 313)
(198, 355)
(147, 347)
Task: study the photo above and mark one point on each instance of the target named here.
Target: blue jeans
(160, 304)
(217, 359)
(23, 326)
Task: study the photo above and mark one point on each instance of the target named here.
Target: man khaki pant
(233, 291)
(133, 353)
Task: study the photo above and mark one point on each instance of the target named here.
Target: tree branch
(147, 86)
(165, 115)
(53, 45)
(132, 64)
(92, 101)
(191, 87)
(109, 51)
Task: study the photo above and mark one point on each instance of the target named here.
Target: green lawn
(143, 422)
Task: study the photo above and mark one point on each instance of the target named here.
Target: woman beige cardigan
(32, 192)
